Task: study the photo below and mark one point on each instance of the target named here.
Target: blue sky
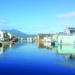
(37, 16)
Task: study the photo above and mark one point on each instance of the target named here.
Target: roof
(71, 28)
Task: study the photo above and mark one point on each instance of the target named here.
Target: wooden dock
(6, 43)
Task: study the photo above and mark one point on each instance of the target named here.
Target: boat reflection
(68, 52)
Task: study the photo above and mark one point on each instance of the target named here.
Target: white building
(1, 35)
(66, 39)
(47, 44)
(46, 39)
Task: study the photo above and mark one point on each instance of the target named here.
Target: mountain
(18, 33)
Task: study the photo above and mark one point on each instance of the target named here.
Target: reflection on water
(4, 48)
(27, 57)
(68, 52)
(44, 45)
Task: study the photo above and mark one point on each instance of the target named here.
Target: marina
(37, 37)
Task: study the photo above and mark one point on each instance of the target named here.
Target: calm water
(37, 59)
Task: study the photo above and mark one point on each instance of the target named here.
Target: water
(37, 59)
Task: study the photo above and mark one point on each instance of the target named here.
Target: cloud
(3, 21)
(67, 15)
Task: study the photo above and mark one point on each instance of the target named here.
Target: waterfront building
(47, 44)
(9, 35)
(41, 37)
(1, 35)
(5, 36)
(66, 39)
(47, 39)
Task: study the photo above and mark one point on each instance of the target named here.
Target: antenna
(67, 25)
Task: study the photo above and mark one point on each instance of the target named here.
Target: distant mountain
(18, 33)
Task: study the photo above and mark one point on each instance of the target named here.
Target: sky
(37, 16)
